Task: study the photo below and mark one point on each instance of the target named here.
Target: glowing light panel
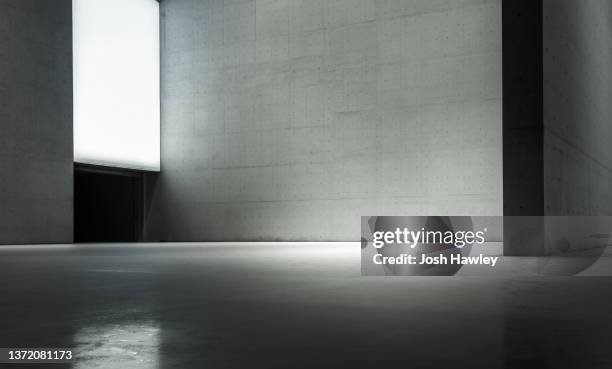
(116, 83)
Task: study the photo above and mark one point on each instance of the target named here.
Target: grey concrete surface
(577, 108)
(35, 121)
(289, 119)
(291, 306)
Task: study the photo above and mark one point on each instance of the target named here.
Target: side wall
(289, 119)
(35, 121)
(578, 107)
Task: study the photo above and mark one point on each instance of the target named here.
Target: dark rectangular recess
(523, 107)
(108, 204)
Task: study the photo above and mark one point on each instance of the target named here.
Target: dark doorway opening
(108, 204)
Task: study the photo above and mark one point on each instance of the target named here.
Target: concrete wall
(35, 121)
(289, 119)
(578, 107)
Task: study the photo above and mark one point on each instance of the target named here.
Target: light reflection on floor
(292, 306)
(134, 346)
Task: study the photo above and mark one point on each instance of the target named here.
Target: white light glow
(116, 83)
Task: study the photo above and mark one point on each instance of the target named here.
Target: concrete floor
(290, 306)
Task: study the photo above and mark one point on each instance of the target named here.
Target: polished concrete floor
(290, 306)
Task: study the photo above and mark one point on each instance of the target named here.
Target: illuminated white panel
(116, 83)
